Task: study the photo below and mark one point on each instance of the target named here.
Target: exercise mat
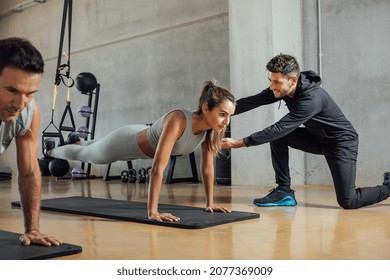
(190, 217)
(11, 249)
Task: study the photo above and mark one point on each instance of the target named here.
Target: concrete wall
(354, 56)
(151, 56)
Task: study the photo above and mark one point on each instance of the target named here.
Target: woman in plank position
(178, 132)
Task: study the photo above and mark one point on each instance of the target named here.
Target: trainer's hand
(164, 217)
(229, 143)
(217, 209)
(35, 237)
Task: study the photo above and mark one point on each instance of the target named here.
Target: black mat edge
(181, 224)
(46, 252)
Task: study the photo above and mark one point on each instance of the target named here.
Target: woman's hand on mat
(164, 217)
(35, 237)
(217, 209)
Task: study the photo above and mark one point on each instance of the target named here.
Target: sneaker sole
(286, 202)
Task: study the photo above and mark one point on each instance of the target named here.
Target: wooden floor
(316, 229)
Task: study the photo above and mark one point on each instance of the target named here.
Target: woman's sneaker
(277, 197)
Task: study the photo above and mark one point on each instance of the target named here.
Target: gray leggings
(121, 144)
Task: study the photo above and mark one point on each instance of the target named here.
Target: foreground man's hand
(35, 237)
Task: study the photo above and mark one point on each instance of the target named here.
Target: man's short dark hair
(285, 64)
(21, 54)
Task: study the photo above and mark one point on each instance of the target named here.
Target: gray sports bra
(186, 144)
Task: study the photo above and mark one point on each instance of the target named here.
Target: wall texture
(152, 56)
(354, 70)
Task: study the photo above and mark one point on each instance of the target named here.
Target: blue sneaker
(277, 197)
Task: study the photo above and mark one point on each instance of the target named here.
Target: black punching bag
(223, 165)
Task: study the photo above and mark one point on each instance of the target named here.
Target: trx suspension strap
(59, 77)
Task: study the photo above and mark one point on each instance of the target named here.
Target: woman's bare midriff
(144, 144)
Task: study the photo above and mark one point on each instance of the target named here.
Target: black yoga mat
(190, 217)
(11, 249)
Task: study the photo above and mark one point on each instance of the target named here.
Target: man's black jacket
(311, 106)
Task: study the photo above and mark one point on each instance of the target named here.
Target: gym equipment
(125, 176)
(48, 131)
(92, 89)
(86, 82)
(148, 174)
(190, 217)
(11, 249)
(83, 131)
(107, 168)
(5, 174)
(129, 176)
(142, 175)
(223, 164)
(171, 169)
(132, 176)
(59, 167)
(60, 78)
(223, 168)
(77, 173)
(44, 166)
(85, 111)
(73, 138)
(68, 109)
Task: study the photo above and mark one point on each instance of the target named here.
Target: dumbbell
(148, 174)
(142, 175)
(125, 176)
(132, 175)
(129, 176)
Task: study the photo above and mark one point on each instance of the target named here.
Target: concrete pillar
(260, 29)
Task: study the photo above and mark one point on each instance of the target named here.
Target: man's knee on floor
(347, 203)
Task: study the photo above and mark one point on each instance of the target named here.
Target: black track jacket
(310, 106)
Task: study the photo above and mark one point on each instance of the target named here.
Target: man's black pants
(341, 158)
